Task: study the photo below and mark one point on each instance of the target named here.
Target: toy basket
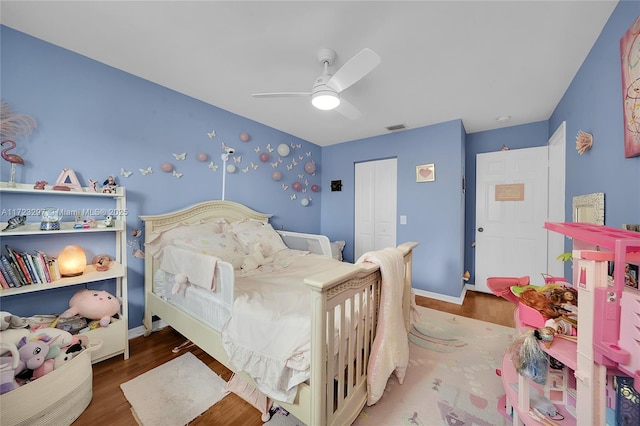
(57, 398)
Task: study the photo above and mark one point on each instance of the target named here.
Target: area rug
(174, 393)
(451, 379)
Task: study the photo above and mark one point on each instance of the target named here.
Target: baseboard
(442, 297)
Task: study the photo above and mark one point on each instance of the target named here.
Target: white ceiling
(441, 60)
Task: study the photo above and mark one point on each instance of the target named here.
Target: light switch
(403, 220)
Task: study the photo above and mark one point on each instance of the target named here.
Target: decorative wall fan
(326, 88)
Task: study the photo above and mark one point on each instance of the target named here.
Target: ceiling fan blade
(348, 110)
(355, 68)
(281, 95)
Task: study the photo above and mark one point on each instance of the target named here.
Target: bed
(340, 296)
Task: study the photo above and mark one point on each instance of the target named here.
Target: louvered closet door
(375, 205)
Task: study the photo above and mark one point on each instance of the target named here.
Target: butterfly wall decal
(275, 164)
(284, 187)
(146, 171)
(309, 154)
(245, 170)
(269, 147)
(237, 159)
(293, 197)
(212, 134)
(213, 166)
(289, 166)
(254, 166)
(257, 149)
(125, 173)
(180, 156)
(176, 174)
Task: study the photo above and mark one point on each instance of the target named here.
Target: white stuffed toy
(253, 260)
(7, 320)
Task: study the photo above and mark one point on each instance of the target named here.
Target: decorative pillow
(223, 245)
(253, 231)
(160, 239)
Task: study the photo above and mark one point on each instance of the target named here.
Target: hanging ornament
(310, 167)
(283, 149)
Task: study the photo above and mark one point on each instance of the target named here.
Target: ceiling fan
(326, 88)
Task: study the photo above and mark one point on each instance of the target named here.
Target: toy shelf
(510, 378)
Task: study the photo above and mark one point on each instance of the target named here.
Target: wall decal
(213, 166)
(269, 147)
(283, 150)
(146, 171)
(180, 156)
(202, 156)
(264, 157)
(212, 134)
(166, 167)
(244, 137)
(125, 173)
(177, 175)
(276, 175)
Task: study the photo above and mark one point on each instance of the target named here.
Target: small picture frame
(426, 173)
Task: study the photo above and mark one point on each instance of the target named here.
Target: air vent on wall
(396, 127)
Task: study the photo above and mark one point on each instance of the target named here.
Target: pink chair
(501, 286)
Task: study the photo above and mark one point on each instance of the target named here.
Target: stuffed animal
(8, 367)
(253, 260)
(93, 304)
(11, 321)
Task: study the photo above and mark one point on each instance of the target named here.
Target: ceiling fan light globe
(325, 100)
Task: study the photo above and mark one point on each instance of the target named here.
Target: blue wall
(95, 119)
(433, 209)
(593, 103)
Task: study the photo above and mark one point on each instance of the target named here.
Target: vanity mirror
(589, 208)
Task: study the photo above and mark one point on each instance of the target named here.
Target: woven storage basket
(57, 398)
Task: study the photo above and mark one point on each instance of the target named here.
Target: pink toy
(93, 304)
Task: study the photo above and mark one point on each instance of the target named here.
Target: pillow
(223, 245)
(262, 233)
(160, 239)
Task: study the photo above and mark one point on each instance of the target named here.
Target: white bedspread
(271, 339)
(390, 350)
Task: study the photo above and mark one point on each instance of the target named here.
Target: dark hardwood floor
(109, 406)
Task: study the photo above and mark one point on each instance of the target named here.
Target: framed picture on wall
(426, 173)
(629, 56)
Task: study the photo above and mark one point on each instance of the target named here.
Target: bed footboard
(341, 296)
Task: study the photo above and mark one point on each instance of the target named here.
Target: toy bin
(57, 398)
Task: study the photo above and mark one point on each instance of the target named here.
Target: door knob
(480, 229)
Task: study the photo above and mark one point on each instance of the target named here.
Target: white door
(511, 208)
(557, 155)
(375, 206)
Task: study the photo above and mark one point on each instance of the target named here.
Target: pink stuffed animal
(93, 304)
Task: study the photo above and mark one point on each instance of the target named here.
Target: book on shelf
(41, 263)
(54, 270)
(18, 269)
(8, 268)
(26, 257)
(3, 281)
